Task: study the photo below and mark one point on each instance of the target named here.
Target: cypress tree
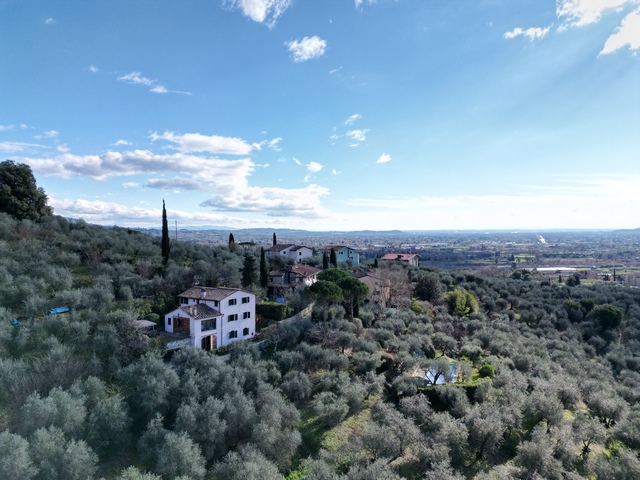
(275, 242)
(232, 243)
(333, 260)
(249, 271)
(325, 260)
(264, 270)
(166, 243)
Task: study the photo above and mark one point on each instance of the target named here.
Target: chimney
(203, 293)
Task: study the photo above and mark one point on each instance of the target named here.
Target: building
(379, 288)
(410, 258)
(213, 317)
(290, 277)
(343, 253)
(297, 253)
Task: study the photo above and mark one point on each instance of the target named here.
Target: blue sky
(327, 114)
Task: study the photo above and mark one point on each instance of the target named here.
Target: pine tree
(333, 260)
(325, 260)
(166, 243)
(249, 271)
(264, 270)
(275, 242)
(232, 243)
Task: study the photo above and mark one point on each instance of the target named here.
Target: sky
(327, 114)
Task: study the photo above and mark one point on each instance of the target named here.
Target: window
(245, 332)
(233, 334)
(246, 299)
(208, 325)
(184, 301)
(232, 301)
(232, 318)
(246, 315)
(168, 321)
(215, 303)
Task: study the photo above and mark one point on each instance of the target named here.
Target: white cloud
(357, 136)
(14, 147)
(298, 162)
(314, 167)
(62, 148)
(531, 33)
(93, 69)
(49, 21)
(307, 48)
(352, 119)
(48, 134)
(177, 183)
(6, 128)
(276, 202)
(275, 144)
(130, 185)
(196, 142)
(627, 34)
(361, 2)
(122, 142)
(384, 158)
(111, 213)
(334, 172)
(136, 78)
(584, 12)
(261, 11)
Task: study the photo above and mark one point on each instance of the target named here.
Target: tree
(19, 195)
(15, 460)
(428, 288)
(264, 269)
(333, 259)
(325, 261)
(275, 241)
(326, 291)
(607, 316)
(232, 243)
(166, 243)
(249, 271)
(461, 302)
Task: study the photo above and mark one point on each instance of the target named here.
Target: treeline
(541, 378)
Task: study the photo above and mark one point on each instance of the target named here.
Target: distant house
(343, 253)
(379, 288)
(290, 277)
(297, 253)
(410, 258)
(213, 317)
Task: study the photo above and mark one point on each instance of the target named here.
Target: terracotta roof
(200, 311)
(405, 257)
(298, 247)
(303, 269)
(217, 293)
(364, 275)
(335, 247)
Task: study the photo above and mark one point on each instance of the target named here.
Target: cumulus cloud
(196, 142)
(314, 167)
(307, 48)
(93, 69)
(122, 142)
(531, 33)
(353, 118)
(584, 12)
(228, 179)
(627, 34)
(384, 158)
(261, 11)
(358, 136)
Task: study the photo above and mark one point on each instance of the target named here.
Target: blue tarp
(54, 311)
(281, 300)
(16, 323)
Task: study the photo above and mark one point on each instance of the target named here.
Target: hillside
(542, 378)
